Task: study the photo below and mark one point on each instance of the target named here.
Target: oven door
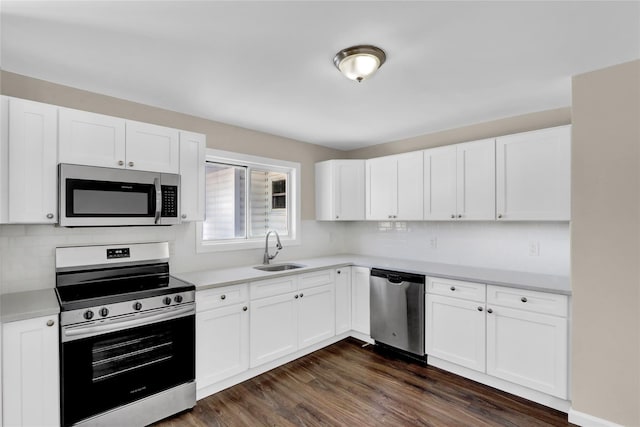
(104, 371)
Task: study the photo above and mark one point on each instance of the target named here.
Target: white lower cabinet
(30, 372)
(343, 299)
(360, 317)
(222, 333)
(290, 320)
(516, 335)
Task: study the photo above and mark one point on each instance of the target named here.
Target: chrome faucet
(268, 257)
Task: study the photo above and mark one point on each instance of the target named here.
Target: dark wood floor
(348, 385)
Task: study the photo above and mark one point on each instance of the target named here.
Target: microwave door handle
(156, 183)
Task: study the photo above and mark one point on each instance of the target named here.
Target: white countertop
(28, 305)
(538, 282)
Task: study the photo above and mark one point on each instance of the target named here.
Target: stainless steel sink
(278, 267)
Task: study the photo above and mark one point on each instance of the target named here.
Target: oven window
(106, 371)
(86, 198)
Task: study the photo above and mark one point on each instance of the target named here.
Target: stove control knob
(104, 311)
(167, 300)
(137, 306)
(88, 314)
(178, 299)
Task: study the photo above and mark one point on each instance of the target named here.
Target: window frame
(239, 159)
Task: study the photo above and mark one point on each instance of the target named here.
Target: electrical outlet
(534, 248)
(433, 243)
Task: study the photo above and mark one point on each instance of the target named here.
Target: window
(245, 197)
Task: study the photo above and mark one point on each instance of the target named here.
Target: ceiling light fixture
(359, 62)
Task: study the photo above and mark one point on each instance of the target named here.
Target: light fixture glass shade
(359, 62)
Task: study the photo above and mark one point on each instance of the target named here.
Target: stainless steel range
(127, 332)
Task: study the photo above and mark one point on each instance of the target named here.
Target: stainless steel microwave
(91, 196)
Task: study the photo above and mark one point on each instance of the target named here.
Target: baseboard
(586, 420)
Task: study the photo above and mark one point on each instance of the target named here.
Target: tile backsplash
(27, 251)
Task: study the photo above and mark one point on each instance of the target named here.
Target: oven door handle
(156, 183)
(71, 333)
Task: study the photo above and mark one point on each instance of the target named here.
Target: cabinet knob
(130, 164)
(245, 308)
(296, 296)
(120, 163)
(338, 271)
(49, 215)
(499, 215)
(50, 322)
(523, 299)
(490, 311)
(301, 295)
(453, 216)
(459, 215)
(453, 288)
(183, 216)
(337, 216)
(223, 296)
(480, 308)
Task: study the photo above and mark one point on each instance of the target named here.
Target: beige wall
(219, 135)
(506, 126)
(605, 240)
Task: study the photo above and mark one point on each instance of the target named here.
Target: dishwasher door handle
(396, 280)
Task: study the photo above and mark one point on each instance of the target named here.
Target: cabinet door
(222, 343)
(382, 188)
(348, 189)
(410, 186)
(30, 191)
(528, 348)
(192, 175)
(440, 183)
(533, 175)
(30, 375)
(455, 331)
(343, 299)
(316, 315)
(152, 148)
(91, 139)
(360, 318)
(476, 182)
(273, 328)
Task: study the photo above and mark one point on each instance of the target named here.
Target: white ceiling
(268, 65)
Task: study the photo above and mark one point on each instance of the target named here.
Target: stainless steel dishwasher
(397, 310)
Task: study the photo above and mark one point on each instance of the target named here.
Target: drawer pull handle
(480, 308)
(245, 308)
(523, 299)
(223, 296)
(453, 288)
(490, 311)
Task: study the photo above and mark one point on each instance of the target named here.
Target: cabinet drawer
(271, 287)
(316, 278)
(538, 302)
(221, 297)
(456, 289)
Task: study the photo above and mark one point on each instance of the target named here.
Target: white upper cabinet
(91, 139)
(340, 190)
(192, 175)
(533, 175)
(28, 167)
(98, 140)
(459, 181)
(152, 148)
(394, 187)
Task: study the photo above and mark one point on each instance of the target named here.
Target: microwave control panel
(169, 201)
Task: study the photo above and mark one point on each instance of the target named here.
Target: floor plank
(348, 385)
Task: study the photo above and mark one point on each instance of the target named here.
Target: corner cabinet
(28, 162)
(192, 175)
(394, 187)
(340, 190)
(30, 372)
(360, 312)
(459, 181)
(533, 175)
